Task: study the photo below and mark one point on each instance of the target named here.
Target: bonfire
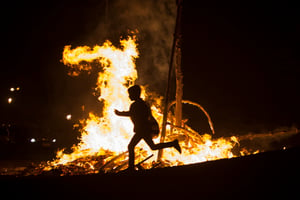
(105, 136)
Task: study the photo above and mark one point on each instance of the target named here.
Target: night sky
(240, 62)
(243, 60)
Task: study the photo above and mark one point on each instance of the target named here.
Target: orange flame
(110, 133)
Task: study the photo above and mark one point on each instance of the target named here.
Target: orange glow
(68, 116)
(9, 100)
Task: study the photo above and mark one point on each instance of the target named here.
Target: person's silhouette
(140, 114)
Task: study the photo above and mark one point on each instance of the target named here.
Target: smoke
(280, 138)
(154, 20)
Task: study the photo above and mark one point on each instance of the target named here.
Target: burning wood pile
(109, 162)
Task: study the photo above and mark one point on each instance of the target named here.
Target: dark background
(240, 62)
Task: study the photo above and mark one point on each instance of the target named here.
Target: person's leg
(149, 141)
(133, 142)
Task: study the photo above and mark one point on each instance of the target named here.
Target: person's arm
(122, 113)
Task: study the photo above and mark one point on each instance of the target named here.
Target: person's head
(134, 92)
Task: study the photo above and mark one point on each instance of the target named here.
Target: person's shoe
(177, 146)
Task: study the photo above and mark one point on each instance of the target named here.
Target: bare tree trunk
(175, 50)
(179, 84)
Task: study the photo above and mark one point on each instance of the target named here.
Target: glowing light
(54, 140)
(9, 100)
(32, 140)
(12, 89)
(69, 117)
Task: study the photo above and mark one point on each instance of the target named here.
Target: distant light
(54, 140)
(284, 148)
(69, 117)
(32, 140)
(9, 100)
(12, 89)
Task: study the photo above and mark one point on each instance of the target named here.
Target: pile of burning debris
(110, 162)
(87, 165)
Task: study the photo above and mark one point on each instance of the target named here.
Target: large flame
(106, 134)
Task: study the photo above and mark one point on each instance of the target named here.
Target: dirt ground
(261, 176)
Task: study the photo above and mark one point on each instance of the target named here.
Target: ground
(261, 176)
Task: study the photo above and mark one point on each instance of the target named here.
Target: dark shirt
(139, 114)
